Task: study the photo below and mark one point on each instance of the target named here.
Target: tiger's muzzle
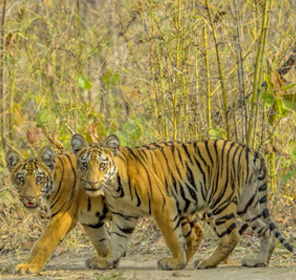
(30, 203)
(93, 188)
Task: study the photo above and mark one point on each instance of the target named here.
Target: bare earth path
(70, 265)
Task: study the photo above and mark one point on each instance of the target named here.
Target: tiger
(192, 230)
(222, 179)
(54, 179)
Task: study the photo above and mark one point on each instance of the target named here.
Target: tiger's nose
(29, 198)
(92, 183)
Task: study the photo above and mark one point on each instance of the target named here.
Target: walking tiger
(56, 180)
(171, 181)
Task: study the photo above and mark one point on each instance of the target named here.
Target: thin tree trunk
(226, 112)
(260, 51)
(2, 94)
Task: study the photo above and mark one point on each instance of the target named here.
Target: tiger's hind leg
(226, 229)
(267, 240)
(253, 209)
(254, 215)
(193, 234)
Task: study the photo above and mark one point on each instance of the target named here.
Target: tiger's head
(33, 178)
(96, 162)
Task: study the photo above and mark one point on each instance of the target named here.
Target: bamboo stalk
(177, 62)
(259, 55)
(2, 97)
(240, 70)
(184, 128)
(208, 82)
(155, 102)
(260, 74)
(221, 75)
(158, 54)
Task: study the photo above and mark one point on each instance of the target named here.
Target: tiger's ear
(12, 158)
(77, 142)
(112, 142)
(47, 155)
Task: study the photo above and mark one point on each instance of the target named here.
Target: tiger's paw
(26, 268)
(170, 264)
(253, 263)
(101, 263)
(200, 264)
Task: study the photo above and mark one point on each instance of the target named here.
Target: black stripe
(187, 201)
(263, 187)
(223, 219)
(248, 204)
(129, 187)
(209, 154)
(178, 223)
(222, 158)
(228, 231)
(121, 235)
(216, 185)
(191, 192)
(98, 225)
(247, 162)
(72, 193)
(272, 227)
(120, 188)
(138, 198)
(265, 213)
(126, 217)
(263, 199)
(179, 155)
(184, 146)
(189, 232)
(53, 201)
(126, 230)
(250, 220)
(190, 176)
(221, 209)
(88, 204)
(243, 228)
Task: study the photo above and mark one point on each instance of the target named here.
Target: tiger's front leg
(168, 221)
(122, 228)
(99, 237)
(193, 234)
(55, 231)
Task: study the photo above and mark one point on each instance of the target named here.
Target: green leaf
(290, 101)
(111, 79)
(84, 83)
(289, 86)
(268, 99)
(43, 117)
(293, 154)
(288, 176)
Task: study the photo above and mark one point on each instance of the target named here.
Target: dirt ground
(70, 265)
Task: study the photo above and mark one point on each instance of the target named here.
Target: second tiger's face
(97, 168)
(96, 163)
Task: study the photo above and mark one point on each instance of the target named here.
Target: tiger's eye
(39, 179)
(103, 165)
(21, 179)
(84, 164)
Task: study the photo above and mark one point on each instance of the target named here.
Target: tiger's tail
(262, 194)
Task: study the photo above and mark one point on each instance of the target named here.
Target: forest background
(148, 71)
